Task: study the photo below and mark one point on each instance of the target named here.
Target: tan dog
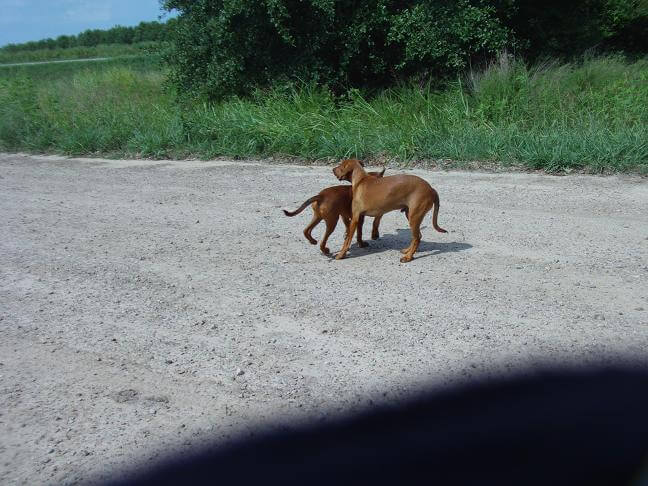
(331, 204)
(377, 196)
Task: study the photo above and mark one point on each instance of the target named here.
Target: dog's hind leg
(307, 231)
(415, 218)
(331, 223)
(375, 233)
(361, 243)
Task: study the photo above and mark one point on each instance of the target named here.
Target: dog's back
(334, 201)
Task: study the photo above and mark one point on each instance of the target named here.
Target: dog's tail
(435, 213)
(303, 206)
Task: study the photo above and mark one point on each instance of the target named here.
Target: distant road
(63, 61)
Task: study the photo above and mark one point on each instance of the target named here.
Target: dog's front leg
(349, 237)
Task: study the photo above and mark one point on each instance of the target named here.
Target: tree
(224, 47)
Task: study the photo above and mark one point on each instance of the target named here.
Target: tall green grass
(591, 115)
(116, 111)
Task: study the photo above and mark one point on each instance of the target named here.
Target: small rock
(152, 411)
(239, 372)
(157, 398)
(123, 396)
(169, 361)
(639, 308)
(599, 317)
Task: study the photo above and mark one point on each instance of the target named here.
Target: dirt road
(59, 61)
(148, 305)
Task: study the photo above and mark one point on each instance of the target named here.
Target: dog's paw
(375, 236)
(405, 259)
(339, 256)
(326, 251)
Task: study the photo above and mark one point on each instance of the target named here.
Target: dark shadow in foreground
(562, 427)
(402, 239)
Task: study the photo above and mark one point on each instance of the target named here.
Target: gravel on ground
(149, 306)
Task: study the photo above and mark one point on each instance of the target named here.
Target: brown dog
(377, 196)
(331, 204)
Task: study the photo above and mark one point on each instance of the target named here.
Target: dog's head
(347, 177)
(344, 171)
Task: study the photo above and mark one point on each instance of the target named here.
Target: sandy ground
(153, 305)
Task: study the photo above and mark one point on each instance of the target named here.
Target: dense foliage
(144, 32)
(566, 29)
(231, 46)
(224, 47)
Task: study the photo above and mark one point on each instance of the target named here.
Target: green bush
(231, 47)
(224, 47)
(556, 28)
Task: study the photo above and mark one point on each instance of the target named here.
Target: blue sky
(25, 20)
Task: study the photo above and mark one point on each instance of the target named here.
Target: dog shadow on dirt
(402, 239)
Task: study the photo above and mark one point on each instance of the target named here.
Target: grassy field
(590, 116)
